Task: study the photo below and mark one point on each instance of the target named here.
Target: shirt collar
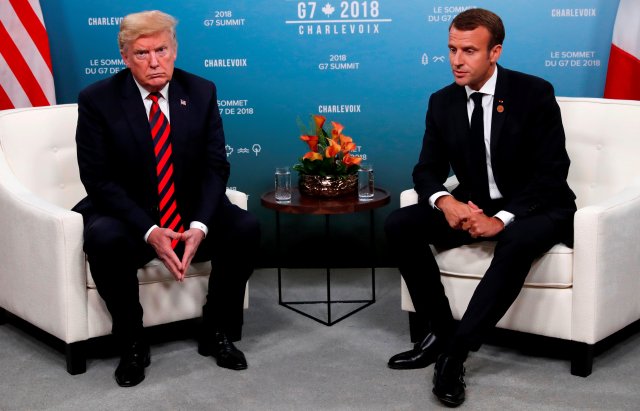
(488, 88)
(144, 93)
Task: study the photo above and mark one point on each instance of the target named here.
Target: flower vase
(327, 186)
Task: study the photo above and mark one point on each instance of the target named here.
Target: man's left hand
(192, 239)
(481, 225)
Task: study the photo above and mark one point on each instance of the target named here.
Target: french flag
(623, 73)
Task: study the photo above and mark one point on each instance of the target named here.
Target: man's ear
(124, 58)
(495, 53)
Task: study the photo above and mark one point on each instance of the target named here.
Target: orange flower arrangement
(329, 155)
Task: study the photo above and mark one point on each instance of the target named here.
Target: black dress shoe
(222, 349)
(423, 354)
(135, 357)
(448, 381)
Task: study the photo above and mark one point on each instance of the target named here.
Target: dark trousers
(115, 254)
(411, 229)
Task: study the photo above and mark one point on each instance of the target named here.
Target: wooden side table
(301, 204)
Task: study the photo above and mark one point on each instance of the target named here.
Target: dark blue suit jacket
(116, 158)
(528, 154)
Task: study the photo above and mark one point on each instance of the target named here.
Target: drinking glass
(365, 182)
(283, 184)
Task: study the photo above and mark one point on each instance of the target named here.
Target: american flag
(26, 76)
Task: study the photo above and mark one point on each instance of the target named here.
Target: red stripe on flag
(21, 69)
(5, 101)
(34, 27)
(622, 75)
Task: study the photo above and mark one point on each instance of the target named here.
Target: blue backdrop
(370, 65)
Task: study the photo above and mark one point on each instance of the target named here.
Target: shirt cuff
(148, 233)
(505, 216)
(200, 226)
(437, 195)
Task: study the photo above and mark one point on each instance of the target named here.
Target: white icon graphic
(328, 9)
(256, 149)
(243, 150)
(229, 150)
(437, 59)
(425, 59)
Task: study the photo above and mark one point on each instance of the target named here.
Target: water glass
(365, 182)
(283, 184)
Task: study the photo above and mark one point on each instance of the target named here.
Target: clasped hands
(160, 239)
(469, 217)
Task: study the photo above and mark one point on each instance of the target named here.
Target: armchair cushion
(553, 270)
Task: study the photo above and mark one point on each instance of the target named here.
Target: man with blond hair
(151, 151)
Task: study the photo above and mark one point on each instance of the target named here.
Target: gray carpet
(298, 364)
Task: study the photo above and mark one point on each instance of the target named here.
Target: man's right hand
(160, 239)
(454, 211)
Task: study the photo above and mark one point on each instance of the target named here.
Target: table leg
(327, 236)
(328, 301)
(279, 257)
(372, 250)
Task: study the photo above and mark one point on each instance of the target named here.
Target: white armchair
(589, 292)
(44, 276)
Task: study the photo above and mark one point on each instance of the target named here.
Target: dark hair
(473, 18)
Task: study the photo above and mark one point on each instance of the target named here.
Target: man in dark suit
(152, 158)
(501, 133)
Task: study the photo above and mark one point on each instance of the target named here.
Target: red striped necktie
(160, 131)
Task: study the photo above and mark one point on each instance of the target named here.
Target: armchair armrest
(43, 274)
(606, 276)
(238, 198)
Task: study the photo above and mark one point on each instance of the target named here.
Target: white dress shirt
(488, 89)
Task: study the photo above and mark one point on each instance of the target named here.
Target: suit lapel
(500, 108)
(461, 116)
(136, 115)
(179, 112)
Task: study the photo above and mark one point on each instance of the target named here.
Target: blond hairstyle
(145, 23)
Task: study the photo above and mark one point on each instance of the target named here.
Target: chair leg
(582, 359)
(3, 315)
(76, 357)
(417, 331)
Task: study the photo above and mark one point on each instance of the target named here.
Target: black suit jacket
(528, 154)
(116, 158)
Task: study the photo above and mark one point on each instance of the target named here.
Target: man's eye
(141, 54)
